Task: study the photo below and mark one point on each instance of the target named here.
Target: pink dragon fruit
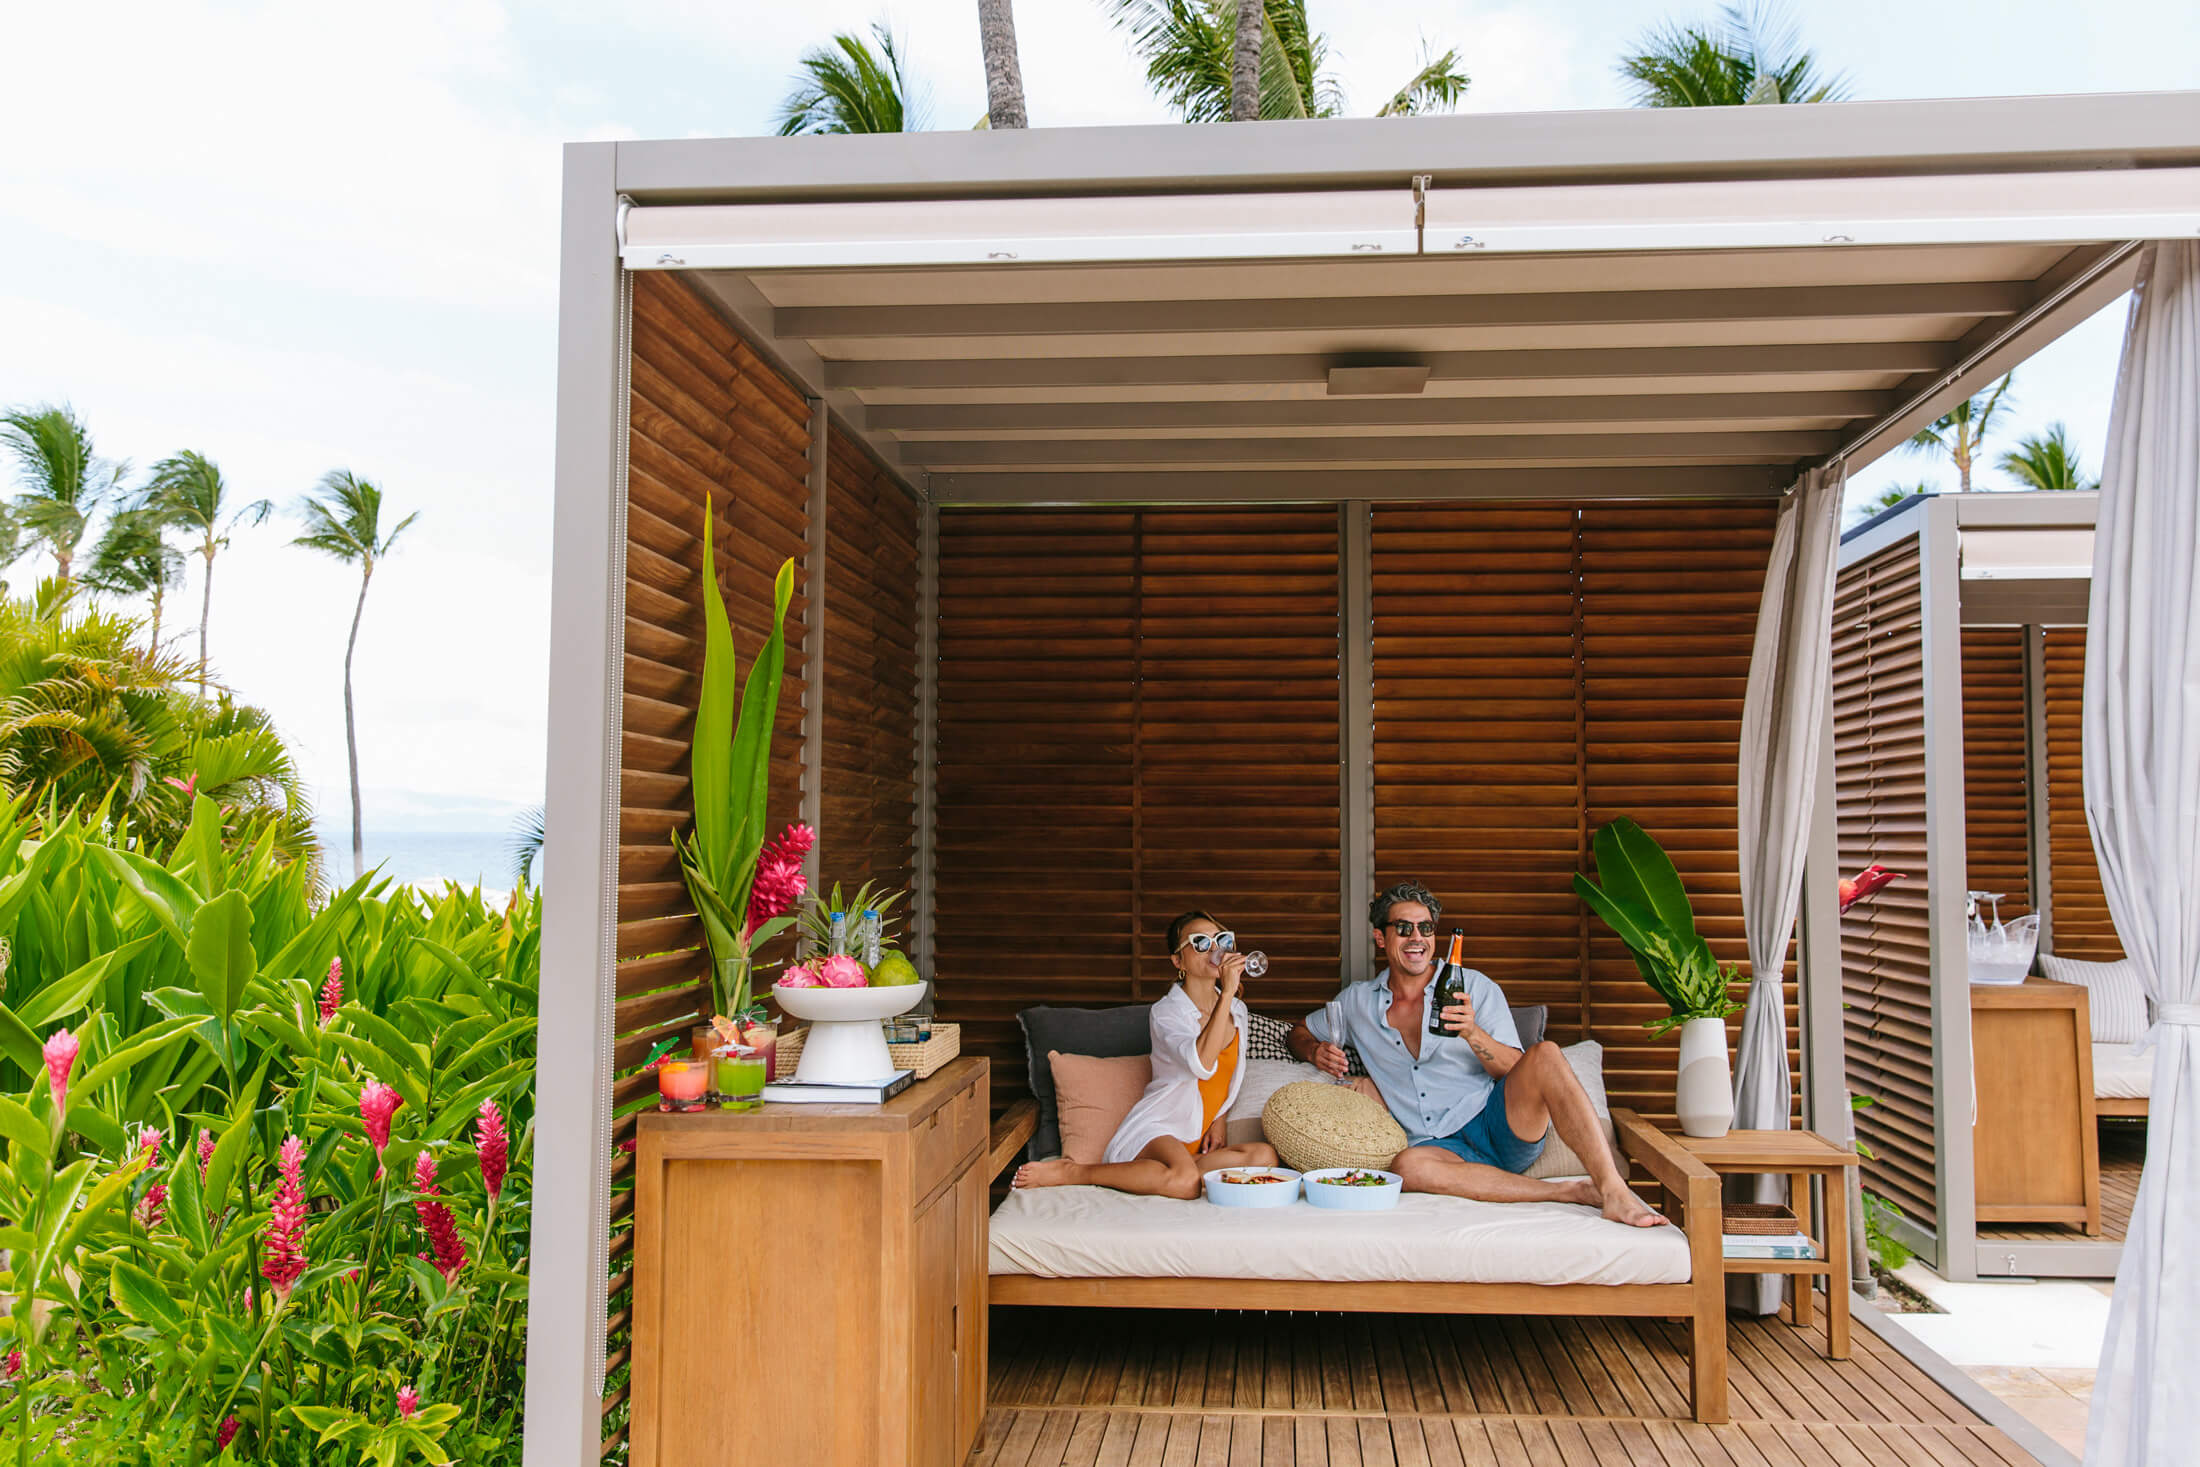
(801, 975)
(841, 971)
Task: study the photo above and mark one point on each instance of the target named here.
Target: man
(1474, 1104)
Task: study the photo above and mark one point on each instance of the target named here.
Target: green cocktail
(737, 1074)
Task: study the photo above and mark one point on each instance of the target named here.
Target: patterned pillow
(1267, 1039)
(2114, 997)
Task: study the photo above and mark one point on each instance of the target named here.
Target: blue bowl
(1323, 1193)
(1223, 1192)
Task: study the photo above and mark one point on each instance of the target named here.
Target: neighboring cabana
(1230, 514)
(1959, 654)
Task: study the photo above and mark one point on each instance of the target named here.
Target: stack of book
(1767, 1245)
(860, 1092)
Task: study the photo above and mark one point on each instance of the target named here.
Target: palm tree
(848, 87)
(2047, 461)
(1960, 432)
(1004, 74)
(134, 558)
(1252, 29)
(528, 832)
(63, 480)
(187, 492)
(343, 518)
(1751, 56)
(1190, 50)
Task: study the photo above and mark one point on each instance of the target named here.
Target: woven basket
(944, 1045)
(1758, 1219)
(1314, 1125)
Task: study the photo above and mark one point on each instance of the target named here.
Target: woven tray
(1765, 1219)
(944, 1045)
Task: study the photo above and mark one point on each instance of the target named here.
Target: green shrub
(208, 1254)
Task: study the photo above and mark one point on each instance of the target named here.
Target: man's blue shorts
(1488, 1139)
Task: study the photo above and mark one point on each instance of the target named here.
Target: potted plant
(1642, 900)
(743, 893)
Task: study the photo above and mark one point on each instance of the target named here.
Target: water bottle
(837, 947)
(868, 939)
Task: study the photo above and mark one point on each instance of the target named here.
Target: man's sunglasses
(1407, 929)
(1200, 942)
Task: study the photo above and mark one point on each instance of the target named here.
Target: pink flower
(283, 1256)
(351, 1275)
(627, 1146)
(801, 975)
(377, 1103)
(841, 971)
(779, 882)
(332, 992)
(12, 1367)
(493, 1147)
(188, 786)
(227, 1433)
(60, 1051)
(446, 1251)
(408, 1402)
(152, 1207)
(206, 1152)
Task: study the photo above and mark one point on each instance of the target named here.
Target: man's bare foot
(1060, 1172)
(1625, 1207)
(1582, 1192)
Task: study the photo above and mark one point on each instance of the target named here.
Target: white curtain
(2142, 801)
(1790, 666)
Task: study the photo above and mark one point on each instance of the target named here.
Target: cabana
(1230, 514)
(1991, 591)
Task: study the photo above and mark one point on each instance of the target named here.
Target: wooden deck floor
(2123, 1153)
(1130, 1388)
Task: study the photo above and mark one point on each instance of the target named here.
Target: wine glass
(1256, 963)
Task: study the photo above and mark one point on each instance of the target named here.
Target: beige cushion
(1263, 1078)
(1091, 1232)
(1312, 1124)
(2116, 1001)
(1092, 1095)
(2118, 1074)
(1558, 1159)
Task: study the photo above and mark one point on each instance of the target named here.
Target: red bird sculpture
(1855, 888)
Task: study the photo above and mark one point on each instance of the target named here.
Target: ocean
(429, 857)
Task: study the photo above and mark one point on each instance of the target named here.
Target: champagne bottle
(1451, 982)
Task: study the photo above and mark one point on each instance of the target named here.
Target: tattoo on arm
(1481, 1049)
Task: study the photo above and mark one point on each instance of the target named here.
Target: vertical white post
(1356, 733)
(569, 1237)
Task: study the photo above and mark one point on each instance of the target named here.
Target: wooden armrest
(1676, 1168)
(1011, 1133)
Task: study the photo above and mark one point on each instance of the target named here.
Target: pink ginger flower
(408, 1402)
(283, 1256)
(206, 1152)
(445, 1250)
(332, 992)
(60, 1051)
(12, 1367)
(801, 975)
(779, 882)
(493, 1147)
(841, 971)
(377, 1103)
(227, 1433)
(153, 1206)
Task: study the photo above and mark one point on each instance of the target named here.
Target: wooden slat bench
(1692, 1199)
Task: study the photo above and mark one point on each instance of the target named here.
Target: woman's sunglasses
(1200, 942)
(1407, 929)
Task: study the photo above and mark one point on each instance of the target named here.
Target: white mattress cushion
(1091, 1232)
(2118, 1074)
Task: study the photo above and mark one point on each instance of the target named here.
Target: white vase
(1703, 1095)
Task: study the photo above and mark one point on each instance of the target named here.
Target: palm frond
(1436, 87)
(1753, 55)
(2046, 461)
(528, 833)
(343, 518)
(849, 85)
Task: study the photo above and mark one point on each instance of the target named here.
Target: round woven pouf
(1313, 1125)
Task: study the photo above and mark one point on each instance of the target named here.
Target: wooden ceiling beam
(1450, 448)
(1311, 368)
(1351, 412)
(1404, 312)
(1326, 486)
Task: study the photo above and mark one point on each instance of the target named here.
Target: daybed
(2117, 1016)
(1083, 1246)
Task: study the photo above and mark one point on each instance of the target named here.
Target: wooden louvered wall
(1997, 817)
(2082, 927)
(868, 828)
(1886, 949)
(1137, 714)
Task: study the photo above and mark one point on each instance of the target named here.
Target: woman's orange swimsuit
(1214, 1091)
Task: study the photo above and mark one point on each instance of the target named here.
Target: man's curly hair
(1378, 910)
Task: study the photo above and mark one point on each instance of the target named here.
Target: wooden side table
(1800, 1156)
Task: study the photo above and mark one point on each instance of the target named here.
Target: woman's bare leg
(1166, 1168)
(1250, 1153)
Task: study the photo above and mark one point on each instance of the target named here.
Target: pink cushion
(1092, 1095)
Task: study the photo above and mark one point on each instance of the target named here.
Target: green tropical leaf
(220, 953)
(173, 904)
(25, 1129)
(65, 995)
(118, 1060)
(142, 1297)
(19, 1042)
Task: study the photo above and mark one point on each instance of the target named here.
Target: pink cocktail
(682, 1084)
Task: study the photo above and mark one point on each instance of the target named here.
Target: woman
(1176, 1131)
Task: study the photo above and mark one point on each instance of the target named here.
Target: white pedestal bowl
(845, 1045)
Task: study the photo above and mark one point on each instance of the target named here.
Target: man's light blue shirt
(1446, 1087)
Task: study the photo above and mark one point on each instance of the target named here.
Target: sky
(299, 238)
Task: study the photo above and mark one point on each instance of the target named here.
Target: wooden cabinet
(810, 1281)
(2035, 1152)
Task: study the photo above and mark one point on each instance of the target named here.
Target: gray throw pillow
(1105, 1033)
